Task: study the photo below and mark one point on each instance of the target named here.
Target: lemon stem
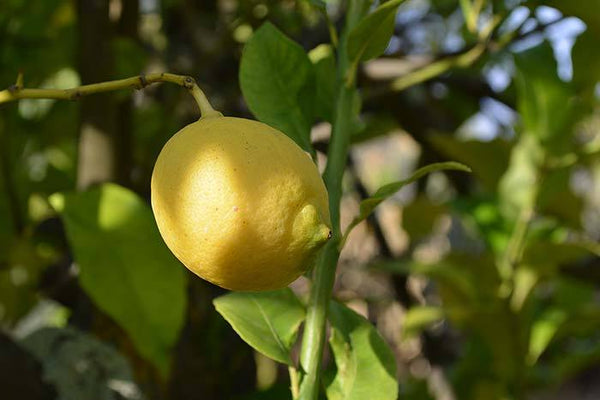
(323, 276)
(17, 91)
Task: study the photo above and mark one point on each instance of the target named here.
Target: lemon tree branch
(323, 275)
(436, 68)
(18, 91)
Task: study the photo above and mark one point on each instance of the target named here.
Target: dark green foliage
(501, 264)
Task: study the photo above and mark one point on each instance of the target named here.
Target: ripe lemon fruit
(239, 203)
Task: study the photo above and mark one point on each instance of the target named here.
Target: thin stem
(331, 27)
(516, 243)
(294, 382)
(17, 91)
(314, 338)
(462, 60)
(469, 15)
(324, 272)
(439, 67)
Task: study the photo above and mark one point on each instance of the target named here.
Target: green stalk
(17, 91)
(324, 273)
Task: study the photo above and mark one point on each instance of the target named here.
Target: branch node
(13, 88)
(143, 81)
(19, 83)
(188, 82)
(76, 95)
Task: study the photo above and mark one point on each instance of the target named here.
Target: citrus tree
(242, 204)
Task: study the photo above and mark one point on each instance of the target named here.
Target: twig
(513, 253)
(462, 59)
(17, 91)
(313, 341)
(294, 382)
(438, 67)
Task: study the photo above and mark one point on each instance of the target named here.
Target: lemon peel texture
(239, 203)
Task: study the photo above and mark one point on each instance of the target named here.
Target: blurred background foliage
(485, 285)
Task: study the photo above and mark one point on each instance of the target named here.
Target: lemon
(239, 203)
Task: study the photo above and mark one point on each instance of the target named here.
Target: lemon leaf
(323, 60)
(368, 205)
(143, 291)
(274, 73)
(370, 37)
(267, 321)
(365, 365)
(419, 318)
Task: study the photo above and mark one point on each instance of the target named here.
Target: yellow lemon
(239, 203)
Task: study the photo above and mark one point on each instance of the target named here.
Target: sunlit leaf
(274, 70)
(546, 104)
(525, 280)
(323, 59)
(267, 321)
(573, 311)
(494, 229)
(517, 188)
(371, 35)
(365, 365)
(126, 268)
(419, 318)
(543, 330)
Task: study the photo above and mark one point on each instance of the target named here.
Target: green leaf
(274, 70)
(126, 268)
(368, 205)
(484, 215)
(586, 61)
(419, 318)
(366, 368)
(556, 197)
(573, 311)
(323, 59)
(318, 3)
(548, 253)
(371, 36)
(525, 281)
(588, 11)
(543, 330)
(267, 321)
(517, 187)
(549, 108)
(547, 105)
